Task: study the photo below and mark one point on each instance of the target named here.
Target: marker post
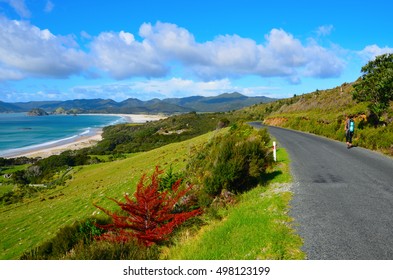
(274, 151)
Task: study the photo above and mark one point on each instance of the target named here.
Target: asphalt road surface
(343, 199)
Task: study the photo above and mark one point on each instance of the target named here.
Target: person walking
(349, 130)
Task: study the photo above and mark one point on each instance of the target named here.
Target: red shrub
(150, 217)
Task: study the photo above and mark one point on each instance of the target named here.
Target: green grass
(15, 168)
(258, 227)
(324, 112)
(28, 224)
(5, 188)
(11, 170)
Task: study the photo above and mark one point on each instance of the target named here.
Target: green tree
(376, 84)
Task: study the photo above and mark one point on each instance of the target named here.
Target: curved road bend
(343, 199)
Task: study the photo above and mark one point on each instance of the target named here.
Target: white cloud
(322, 63)
(227, 56)
(85, 35)
(282, 55)
(169, 88)
(325, 30)
(19, 6)
(128, 38)
(371, 51)
(12, 95)
(9, 74)
(177, 87)
(122, 56)
(27, 51)
(49, 6)
(171, 41)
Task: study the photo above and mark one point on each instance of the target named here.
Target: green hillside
(369, 101)
(25, 225)
(37, 220)
(323, 112)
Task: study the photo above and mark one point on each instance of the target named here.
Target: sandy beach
(83, 141)
(135, 118)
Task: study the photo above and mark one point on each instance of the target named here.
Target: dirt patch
(279, 121)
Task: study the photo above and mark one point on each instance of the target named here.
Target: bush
(77, 242)
(235, 161)
(66, 239)
(376, 138)
(17, 194)
(169, 179)
(126, 138)
(102, 250)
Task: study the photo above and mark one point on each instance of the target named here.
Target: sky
(75, 49)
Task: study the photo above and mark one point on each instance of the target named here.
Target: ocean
(19, 132)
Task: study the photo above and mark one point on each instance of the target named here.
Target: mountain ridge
(219, 103)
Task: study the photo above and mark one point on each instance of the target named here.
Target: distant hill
(8, 107)
(221, 103)
(82, 104)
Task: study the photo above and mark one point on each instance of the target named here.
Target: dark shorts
(348, 136)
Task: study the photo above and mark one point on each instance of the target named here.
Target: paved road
(343, 199)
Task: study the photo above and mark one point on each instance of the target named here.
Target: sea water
(19, 132)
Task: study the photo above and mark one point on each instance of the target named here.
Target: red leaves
(150, 215)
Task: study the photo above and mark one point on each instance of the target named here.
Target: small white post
(274, 151)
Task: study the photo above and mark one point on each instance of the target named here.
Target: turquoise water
(19, 132)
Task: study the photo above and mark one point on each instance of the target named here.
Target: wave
(49, 144)
(86, 132)
(19, 145)
(119, 121)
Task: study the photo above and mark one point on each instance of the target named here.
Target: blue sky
(61, 50)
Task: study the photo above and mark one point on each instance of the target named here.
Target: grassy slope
(320, 112)
(258, 227)
(323, 113)
(26, 225)
(254, 228)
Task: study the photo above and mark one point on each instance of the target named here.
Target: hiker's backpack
(351, 125)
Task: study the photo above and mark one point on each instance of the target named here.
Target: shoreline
(133, 118)
(78, 142)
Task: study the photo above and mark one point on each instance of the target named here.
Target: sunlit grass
(257, 227)
(26, 225)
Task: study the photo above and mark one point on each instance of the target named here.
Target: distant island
(37, 112)
(221, 103)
